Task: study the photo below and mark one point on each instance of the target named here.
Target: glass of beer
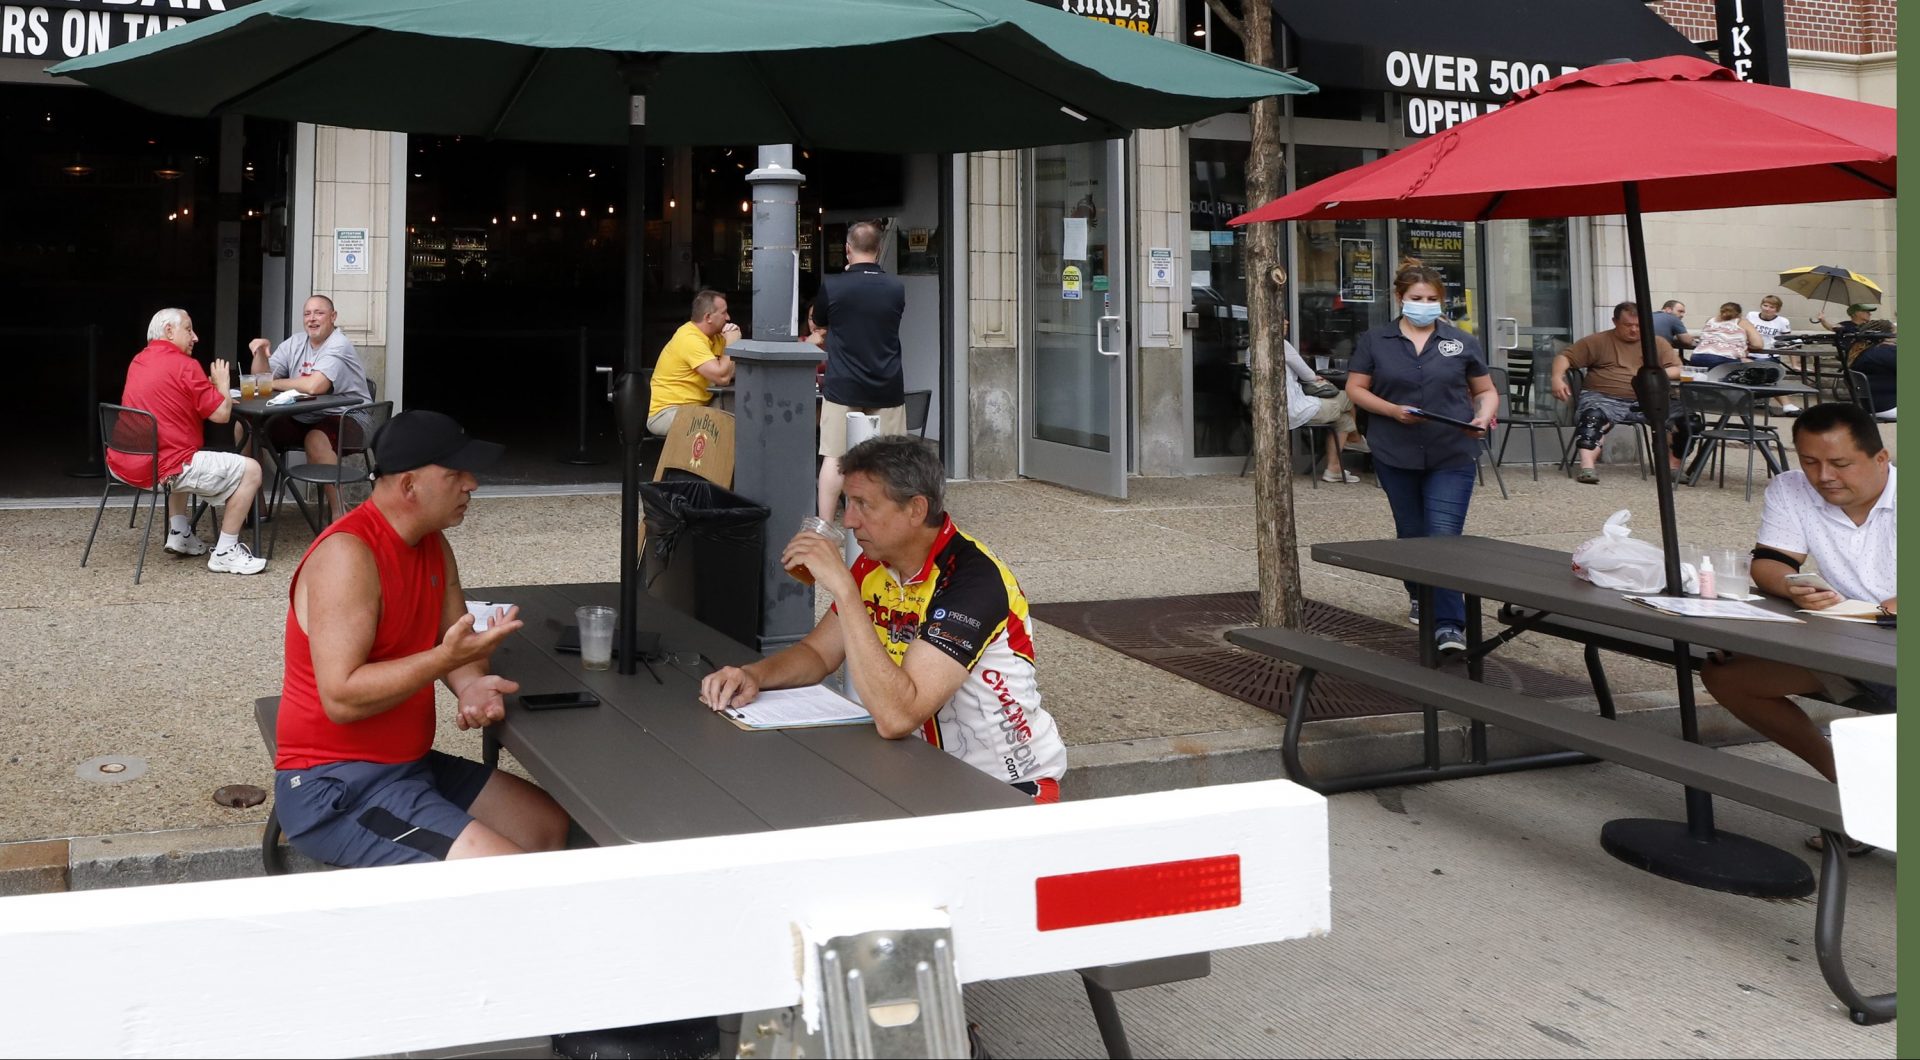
(813, 524)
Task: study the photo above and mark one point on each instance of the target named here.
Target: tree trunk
(1281, 598)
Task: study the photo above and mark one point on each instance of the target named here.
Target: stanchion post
(89, 466)
(580, 455)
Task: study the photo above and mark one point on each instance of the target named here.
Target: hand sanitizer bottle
(1707, 591)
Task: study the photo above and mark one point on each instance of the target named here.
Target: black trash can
(703, 553)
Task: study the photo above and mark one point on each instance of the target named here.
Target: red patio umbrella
(1579, 145)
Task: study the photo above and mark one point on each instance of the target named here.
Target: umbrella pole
(1692, 852)
(638, 75)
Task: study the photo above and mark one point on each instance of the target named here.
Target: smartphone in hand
(1810, 580)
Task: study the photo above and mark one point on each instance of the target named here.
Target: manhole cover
(111, 769)
(238, 796)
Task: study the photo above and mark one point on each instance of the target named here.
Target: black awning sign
(68, 29)
(1423, 73)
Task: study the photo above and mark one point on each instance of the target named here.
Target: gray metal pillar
(773, 464)
(776, 264)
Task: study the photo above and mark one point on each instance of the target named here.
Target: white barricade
(427, 956)
(1865, 757)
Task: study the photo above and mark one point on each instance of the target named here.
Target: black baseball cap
(417, 437)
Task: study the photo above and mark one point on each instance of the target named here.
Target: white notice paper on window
(795, 708)
(1074, 247)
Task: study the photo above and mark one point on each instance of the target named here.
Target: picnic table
(1541, 580)
(652, 763)
(1543, 595)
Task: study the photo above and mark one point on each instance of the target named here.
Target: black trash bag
(703, 553)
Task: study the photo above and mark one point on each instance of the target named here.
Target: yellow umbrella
(1830, 283)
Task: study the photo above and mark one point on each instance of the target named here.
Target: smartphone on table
(559, 700)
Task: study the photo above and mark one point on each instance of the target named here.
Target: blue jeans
(1430, 503)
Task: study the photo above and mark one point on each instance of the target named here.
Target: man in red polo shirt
(165, 380)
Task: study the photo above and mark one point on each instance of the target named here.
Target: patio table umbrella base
(1723, 862)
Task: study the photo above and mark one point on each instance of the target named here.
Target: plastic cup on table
(1732, 572)
(813, 524)
(596, 636)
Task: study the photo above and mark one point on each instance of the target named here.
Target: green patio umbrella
(897, 76)
(865, 75)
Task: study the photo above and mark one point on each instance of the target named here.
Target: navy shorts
(357, 814)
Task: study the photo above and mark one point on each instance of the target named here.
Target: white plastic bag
(1618, 560)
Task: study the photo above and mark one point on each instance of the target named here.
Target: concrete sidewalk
(166, 671)
(1471, 918)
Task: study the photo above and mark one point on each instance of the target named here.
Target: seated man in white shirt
(1837, 510)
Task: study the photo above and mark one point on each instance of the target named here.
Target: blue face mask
(1420, 314)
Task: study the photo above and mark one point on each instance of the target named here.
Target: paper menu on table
(795, 708)
(1693, 607)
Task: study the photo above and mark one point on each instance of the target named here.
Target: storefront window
(1216, 269)
(1344, 279)
(1453, 247)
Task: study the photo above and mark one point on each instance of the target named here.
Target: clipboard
(1450, 421)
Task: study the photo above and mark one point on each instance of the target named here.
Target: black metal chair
(1727, 412)
(357, 427)
(136, 433)
(1525, 419)
(918, 404)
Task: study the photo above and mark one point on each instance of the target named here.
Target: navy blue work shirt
(1434, 378)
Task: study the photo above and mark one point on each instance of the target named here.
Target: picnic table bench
(1789, 793)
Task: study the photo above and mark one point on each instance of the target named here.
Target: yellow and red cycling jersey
(966, 603)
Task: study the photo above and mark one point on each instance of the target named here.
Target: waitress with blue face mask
(1426, 467)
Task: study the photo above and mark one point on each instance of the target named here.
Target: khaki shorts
(833, 424)
(212, 475)
(661, 422)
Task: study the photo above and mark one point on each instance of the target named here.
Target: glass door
(1530, 267)
(1077, 351)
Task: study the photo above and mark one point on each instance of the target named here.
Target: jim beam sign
(54, 30)
(1140, 16)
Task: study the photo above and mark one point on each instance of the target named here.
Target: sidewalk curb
(1123, 767)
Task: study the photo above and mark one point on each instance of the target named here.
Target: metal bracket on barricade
(892, 993)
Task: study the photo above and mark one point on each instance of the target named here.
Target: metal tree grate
(1186, 636)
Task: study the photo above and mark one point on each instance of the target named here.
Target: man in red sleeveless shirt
(376, 617)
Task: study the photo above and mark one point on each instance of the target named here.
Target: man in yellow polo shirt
(694, 359)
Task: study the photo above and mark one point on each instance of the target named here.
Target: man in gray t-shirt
(320, 360)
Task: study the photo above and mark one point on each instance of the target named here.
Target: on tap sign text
(67, 29)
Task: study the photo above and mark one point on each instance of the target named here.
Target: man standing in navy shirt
(860, 309)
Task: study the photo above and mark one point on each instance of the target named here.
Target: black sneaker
(1449, 639)
(1413, 614)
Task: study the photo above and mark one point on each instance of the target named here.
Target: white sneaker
(1789, 407)
(1341, 476)
(187, 544)
(236, 560)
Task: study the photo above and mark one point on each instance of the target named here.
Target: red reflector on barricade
(1138, 892)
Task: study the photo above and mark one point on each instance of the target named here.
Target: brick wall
(1848, 27)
